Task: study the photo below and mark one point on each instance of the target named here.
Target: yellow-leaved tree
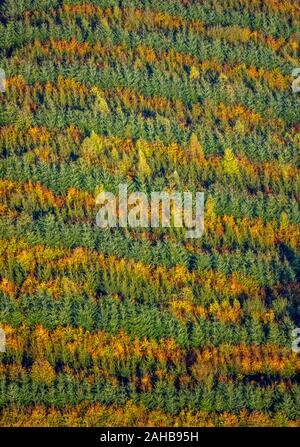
(195, 149)
(144, 169)
(92, 148)
(230, 163)
(194, 73)
(43, 372)
(100, 104)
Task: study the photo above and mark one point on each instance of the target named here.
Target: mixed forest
(142, 326)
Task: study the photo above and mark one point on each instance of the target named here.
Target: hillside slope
(135, 327)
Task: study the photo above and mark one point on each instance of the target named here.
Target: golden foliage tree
(230, 163)
(195, 149)
(43, 372)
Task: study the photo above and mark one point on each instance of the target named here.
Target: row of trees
(105, 354)
(97, 415)
(259, 16)
(257, 49)
(232, 397)
(112, 314)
